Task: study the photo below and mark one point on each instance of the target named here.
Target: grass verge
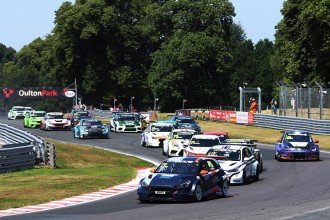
(80, 170)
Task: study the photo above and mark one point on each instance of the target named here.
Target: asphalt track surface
(286, 190)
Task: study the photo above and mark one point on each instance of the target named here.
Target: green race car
(32, 119)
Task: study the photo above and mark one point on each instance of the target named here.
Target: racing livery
(200, 144)
(77, 116)
(184, 178)
(155, 134)
(55, 120)
(237, 161)
(297, 145)
(90, 128)
(176, 141)
(125, 122)
(187, 122)
(32, 119)
(16, 112)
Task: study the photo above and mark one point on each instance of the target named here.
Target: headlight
(144, 183)
(233, 170)
(184, 185)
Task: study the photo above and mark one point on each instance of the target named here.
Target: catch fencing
(22, 150)
(304, 101)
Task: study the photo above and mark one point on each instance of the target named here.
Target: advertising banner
(36, 93)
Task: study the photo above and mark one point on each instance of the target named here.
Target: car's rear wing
(242, 142)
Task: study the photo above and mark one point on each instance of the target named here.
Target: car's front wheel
(198, 193)
(143, 143)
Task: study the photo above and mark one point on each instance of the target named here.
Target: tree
(303, 40)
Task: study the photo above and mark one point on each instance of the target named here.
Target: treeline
(172, 50)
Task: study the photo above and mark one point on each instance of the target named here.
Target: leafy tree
(303, 40)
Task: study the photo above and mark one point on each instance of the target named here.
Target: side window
(204, 166)
(246, 152)
(212, 165)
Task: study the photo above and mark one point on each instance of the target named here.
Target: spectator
(273, 104)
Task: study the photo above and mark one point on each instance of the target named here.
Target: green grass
(80, 170)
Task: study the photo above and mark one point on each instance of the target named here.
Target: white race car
(125, 122)
(237, 161)
(155, 134)
(16, 112)
(200, 144)
(55, 120)
(176, 141)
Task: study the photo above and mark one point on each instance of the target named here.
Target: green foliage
(173, 50)
(303, 40)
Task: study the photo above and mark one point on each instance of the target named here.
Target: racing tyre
(256, 177)
(143, 143)
(244, 178)
(198, 193)
(224, 189)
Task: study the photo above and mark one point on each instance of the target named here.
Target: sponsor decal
(36, 92)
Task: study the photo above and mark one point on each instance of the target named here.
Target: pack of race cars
(198, 164)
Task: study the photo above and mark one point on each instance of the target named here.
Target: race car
(125, 122)
(184, 178)
(55, 121)
(223, 135)
(155, 134)
(90, 128)
(250, 144)
(297, 145)
(16, 112)
(32, 119)
(187, 122)
(200, 144)
(237, 161)
(176, 141)
(77, 116)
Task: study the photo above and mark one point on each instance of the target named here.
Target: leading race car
(184, 178)
(16, 112)
(55, 121)
(200, 144)
(155, 134)
(176, 141)
(32, 119)
(237, 161)
(297, 145)
(90, 128)
(125, 122)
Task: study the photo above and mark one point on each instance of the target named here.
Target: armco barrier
(15, 157)
(292, 123)
(43, 152)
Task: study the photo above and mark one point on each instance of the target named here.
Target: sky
(22, 21)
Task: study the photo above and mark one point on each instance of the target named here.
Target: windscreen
(183, 135)
(195, 142)
(234, 155)
(177, 167)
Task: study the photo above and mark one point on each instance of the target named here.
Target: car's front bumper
(129, 128)
(298, 155)
(170, 194)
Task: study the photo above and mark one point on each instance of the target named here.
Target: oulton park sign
(36, 93)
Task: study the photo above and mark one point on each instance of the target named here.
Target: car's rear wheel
(198, 193)
(224, 188)
(143, 143)
(256, 177)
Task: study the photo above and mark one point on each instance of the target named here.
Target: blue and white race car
(297, 145)
(90, 128)
(184, 178)
(186, 122)
(237, 161)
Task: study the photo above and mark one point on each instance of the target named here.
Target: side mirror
(152, 170)
(203, 172)
(246, 159)
(104, 124)
(316, 141)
